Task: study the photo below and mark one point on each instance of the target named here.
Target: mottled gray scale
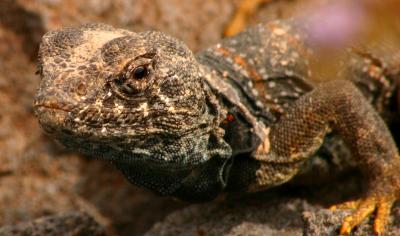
(172, 46)
(117, 48)
(372, 77)
(261, 49)
(97, 27)
(66, 39)
(285, 75)
(226, 66)
(284, 91)
(224, 69)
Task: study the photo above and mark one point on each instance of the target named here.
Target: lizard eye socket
(132, 82)
(135, 78)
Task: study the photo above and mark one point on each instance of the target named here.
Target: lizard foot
(364, 208)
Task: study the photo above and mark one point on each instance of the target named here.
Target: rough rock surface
(276, 217)
(70, 223)
(39, 178)
(284, 216)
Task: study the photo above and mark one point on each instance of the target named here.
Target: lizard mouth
(52, 104)
(52, 116)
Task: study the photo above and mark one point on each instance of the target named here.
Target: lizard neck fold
(243, 131)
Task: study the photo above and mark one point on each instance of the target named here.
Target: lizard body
(240, 116)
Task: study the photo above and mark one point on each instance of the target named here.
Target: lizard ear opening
(217, 145)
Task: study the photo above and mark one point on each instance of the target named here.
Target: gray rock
(71, 224)
(276, 216)
(244, 217)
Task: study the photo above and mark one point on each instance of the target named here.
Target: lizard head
(127, 97)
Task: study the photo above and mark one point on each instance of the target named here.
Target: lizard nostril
(81, 89)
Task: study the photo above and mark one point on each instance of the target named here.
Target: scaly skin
(241, 116)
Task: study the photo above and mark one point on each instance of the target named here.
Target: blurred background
(39, 178)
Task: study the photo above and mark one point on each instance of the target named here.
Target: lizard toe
(349, 205)
(383, 215)
(364, 208)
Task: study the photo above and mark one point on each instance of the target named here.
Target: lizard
(241, 116)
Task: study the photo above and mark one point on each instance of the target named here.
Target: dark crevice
(4, 173)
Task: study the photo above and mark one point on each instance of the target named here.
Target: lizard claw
(363, 209)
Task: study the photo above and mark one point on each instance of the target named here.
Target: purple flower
(335, 25)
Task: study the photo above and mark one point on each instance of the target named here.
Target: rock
(71, 224)
(274, 216)
(236, 217)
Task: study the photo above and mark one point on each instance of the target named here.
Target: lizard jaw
(52, 114)
(51, 119)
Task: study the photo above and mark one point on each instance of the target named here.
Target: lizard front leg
(338, 105)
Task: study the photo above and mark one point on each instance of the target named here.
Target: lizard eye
(140, 72)
(132, 82)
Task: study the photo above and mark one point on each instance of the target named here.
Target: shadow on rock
(24, 23)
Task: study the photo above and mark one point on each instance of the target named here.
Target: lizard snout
(52, 114)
